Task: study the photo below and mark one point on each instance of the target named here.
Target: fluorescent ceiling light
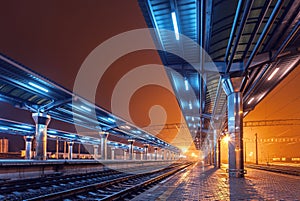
(38, 87)
(85, 108)
(193, 118)
(137, 132)
(186, 85)
(70, 135)
(250, 100)
(125, 127)
(111, 119)
(190, 106)
(3, 128)
(24, 126)
(274, 72)
(53, 132)
(261, 96)
(175, 25)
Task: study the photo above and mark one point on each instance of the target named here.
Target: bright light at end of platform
(38, 87)
(194, 155)
(175, 25)
(226, 138)
(184, 150)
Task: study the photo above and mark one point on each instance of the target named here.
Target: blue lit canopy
(258, 40)
(22, 88)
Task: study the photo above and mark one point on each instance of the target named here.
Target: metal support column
(65, 149)
(146, 146)
(79, 145)
(142, 157)
(131, 141)
(219, 153)
(155, 153)
(104, 136)
(162, 154)
(96, 153)
(57, 148)
(41, 123)
(70, 151)
(28, 147)
(215, 146)
(232, 88)
(112, 153)
(125, 154)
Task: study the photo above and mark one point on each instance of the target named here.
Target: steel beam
(239, 33)
(257, 26)
(265, 32)
(233, 29)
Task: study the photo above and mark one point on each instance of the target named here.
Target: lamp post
(256, 150)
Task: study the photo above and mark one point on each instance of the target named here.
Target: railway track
(105, 185)
(277, 168)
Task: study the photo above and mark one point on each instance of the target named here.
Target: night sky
(54, 37)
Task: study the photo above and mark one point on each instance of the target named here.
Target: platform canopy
(253, 40)
(25, 89)
(18, 128)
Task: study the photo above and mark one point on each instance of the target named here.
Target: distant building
(4, 145)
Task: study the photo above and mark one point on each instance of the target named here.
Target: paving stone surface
(208, 183)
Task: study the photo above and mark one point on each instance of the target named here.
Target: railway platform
(207, 183)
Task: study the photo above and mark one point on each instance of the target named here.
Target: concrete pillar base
(28, 147)
(41, 121)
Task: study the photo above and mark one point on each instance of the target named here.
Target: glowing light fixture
(110, 119)
(190, 106)
(125, 127)
(38, 87)
(186, 85)
(184, 150)
(85, 108)
(261, 96)
(53, 132)
(3, 128)
(273, 73)
(226, 138)
(137, 132)
(24, 126)
(250, 101)
(175, 25)
(193, 119)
